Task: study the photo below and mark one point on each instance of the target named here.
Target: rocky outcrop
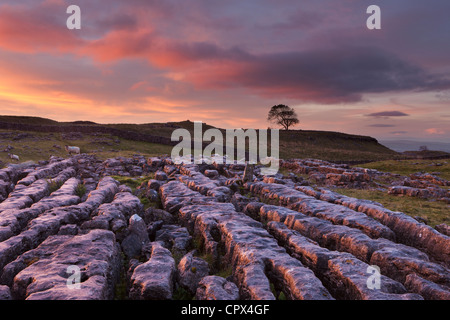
(343, 274)
(275, 237)
(407, 230)
(254, 255)
(393, 259)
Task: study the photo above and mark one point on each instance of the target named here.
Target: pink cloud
(32, 30)
(435, 131)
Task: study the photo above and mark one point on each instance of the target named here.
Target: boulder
(429, 290)
(161, 176)
(154, 214)
(133, 243)
(216, 288)
(154, 279)
(191, 270)
(174, 238)
(212, 174)
(5, 293)
(43, 273)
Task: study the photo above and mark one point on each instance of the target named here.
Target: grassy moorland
(330, 146)
(435, 212)
(407, 167)
(35, 146)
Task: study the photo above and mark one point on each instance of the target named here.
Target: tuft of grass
(182, 294)
(120, 289)
(225, 272)
(80, 190)
(177, 256)
(197, 243)
(54, 185)
(278, 295)
(208, 258)
(133, 182)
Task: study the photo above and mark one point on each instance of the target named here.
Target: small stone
(68, 229)
(161, 176)
(191, 270)
(216, 288)
(211, 174)
(5, 293)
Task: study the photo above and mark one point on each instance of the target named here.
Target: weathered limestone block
(198, 182)
(154, 184)
(398, 264)
(220, 194)
(161, 176)
(343, 216)
(175, 194)
(429, 290)
(137, 237)
(407, 230)
(49, 222)
(12, 221)
(154, 279)
(239, 201)
(5, 293)
(216, 288)
(248, 245)
(351, 273)
(211, 174)
(342, 274)
(44, 271)
(175, 238)
(191, 270)
(46, 171)
(154, 214)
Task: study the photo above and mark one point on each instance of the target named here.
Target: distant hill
(27, 120)
(411, 145)
(325, 145)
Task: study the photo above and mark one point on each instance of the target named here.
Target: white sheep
(72, 149)
(13, 156)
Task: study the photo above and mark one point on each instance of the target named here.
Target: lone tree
(283, 115)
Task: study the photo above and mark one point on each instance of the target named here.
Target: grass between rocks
(53, 185)
(407, 167)
(435, 212)
(80, 190)
(182, 294)
(120, 289)
(134, 183)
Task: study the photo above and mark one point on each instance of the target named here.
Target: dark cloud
(331, 75)
(381, 125)
(398, 132)
(388, 114)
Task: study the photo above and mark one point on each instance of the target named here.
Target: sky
(227, 62)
